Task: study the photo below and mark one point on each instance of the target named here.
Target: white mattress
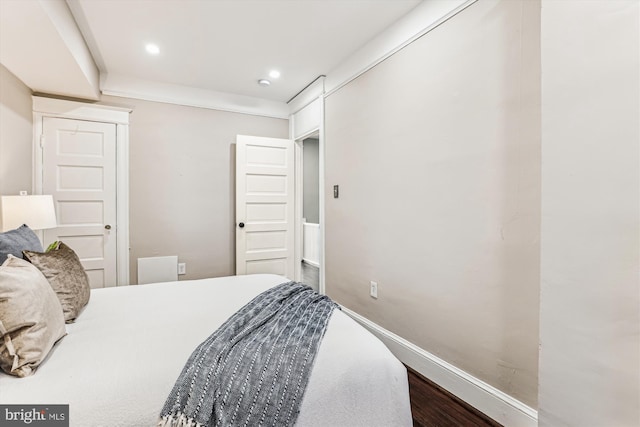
(120, 359)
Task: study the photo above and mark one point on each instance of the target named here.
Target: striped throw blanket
(254, 369)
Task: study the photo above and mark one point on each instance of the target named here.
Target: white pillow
(31, 317)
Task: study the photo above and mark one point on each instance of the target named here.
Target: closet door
(79, 170)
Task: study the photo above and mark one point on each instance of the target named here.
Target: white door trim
(48, 107)
(299, 199)
(319, 130)
(321, 194)
(298, 203)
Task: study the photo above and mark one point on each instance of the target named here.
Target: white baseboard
(494, 403)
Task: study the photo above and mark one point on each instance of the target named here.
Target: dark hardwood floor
(432, 406)
(310, 275)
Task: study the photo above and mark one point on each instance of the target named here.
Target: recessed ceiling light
(274, 74)
(264, 82)
(152, 49)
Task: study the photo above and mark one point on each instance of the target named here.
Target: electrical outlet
(374, 290)
(182, 268)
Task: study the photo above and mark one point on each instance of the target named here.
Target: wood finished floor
(310, 275)
(432, 406)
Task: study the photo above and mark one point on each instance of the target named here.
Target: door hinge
(42, 141)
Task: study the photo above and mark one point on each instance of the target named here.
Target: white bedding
(120, 359)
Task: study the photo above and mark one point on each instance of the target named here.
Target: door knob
(108, 227)
(241, 225)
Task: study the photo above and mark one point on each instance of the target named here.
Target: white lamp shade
(35, 211)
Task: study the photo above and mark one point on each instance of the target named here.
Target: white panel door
(79, 170)
(265, 206)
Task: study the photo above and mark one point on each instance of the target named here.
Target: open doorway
(311, 211)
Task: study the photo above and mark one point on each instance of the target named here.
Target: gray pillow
(31, 319)
(15, 241)
(62, 268)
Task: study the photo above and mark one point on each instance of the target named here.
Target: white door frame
(49, 107)
(299, 202)
(319, 130)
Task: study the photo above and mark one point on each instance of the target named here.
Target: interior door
(265, 206)
(79, 170)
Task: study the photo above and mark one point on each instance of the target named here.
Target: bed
(123, 354)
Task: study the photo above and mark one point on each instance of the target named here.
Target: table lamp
(37, 211)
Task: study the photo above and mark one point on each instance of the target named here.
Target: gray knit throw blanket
(254, 369)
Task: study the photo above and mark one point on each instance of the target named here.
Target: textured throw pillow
(31, 319)
(15, 241)
(62, 268)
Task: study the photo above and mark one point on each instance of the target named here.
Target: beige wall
(590, 292)
(437, 154)
(182, 182)
(16, 130)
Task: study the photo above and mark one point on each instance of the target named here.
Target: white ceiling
(227, 45)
